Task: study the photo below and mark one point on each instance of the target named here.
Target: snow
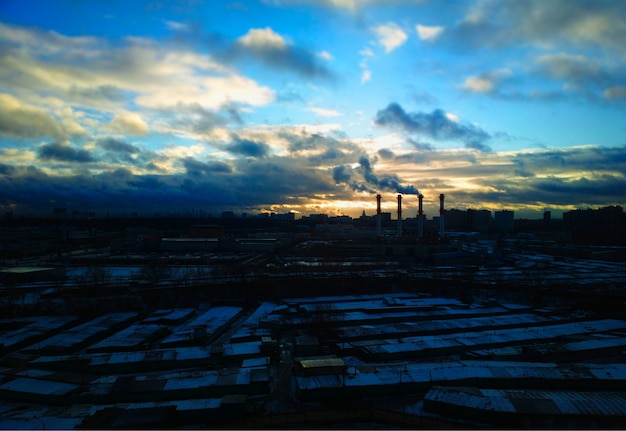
(38, 386)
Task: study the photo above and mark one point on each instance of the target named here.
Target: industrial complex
(464, 320)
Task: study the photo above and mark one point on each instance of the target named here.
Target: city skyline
(312, 106)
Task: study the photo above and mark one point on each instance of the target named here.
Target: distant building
(469, 220)
(604, 224)
(504, 221)
(456, 220)
(479, 220)
(59, 213)
(547, 215)
(286, 216)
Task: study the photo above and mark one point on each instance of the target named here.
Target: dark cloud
(117, 146)
(294, 59)
(500, 23)
(197, 119)
(371, 182)
(26, 123)
(118, 151)
(342, 174)
(388, 182)
(386, 153)
(197, 168)
(285, 57)
(270, 49)
(254, 183)
(248, 148)
(63, 152)
(435, 125)
(423, 146)
(98, 94)
(6, 170)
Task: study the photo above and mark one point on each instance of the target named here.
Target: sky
(311, 106)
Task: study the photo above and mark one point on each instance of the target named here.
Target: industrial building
(453, 321)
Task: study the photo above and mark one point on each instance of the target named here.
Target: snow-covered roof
(76, 335)
(35, 386)
(213, 320)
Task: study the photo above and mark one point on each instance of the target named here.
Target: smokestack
(378, 228)
(399, 234)
(441, 214)
(420, 218)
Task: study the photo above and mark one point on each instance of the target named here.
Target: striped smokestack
(420, 218)
(378, 221)
(399, 233)
(441, 214)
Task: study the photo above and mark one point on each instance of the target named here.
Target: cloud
(248, 148)
(387, 182)
(390, 35)
(385, 153)
(341, 174)
(428, 34)
(176, 26)
(89, 72)
(119, 152)
(129, 123)
(615, 93)
(24, 121)
(581, 74)
(367, 181)
(436, 125)
(486, 82)
(326, 112)
(497, 24)
(349, 5)
(117, 146)
(325, 55)
(63, 152)
(264, 39)
(271, 49)
(198, 169)
(366, 76)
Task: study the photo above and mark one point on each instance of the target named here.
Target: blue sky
(311, 106)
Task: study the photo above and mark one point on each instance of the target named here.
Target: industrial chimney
(399, 234)
(420, 218)
(378, 221)
(441, 214)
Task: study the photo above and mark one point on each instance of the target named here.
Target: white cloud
(326, 112)
(129, 123)
(366, 76)
(477, 84)
(452, 117)
(176, 26)
(390, 35)
(486, 82)
(263, 38)
(428, 34)
(153, 75)
(366, 52)
(325, 55)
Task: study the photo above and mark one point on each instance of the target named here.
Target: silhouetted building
(479, 220)
(504, 221)
(547, 216)
(600, 225)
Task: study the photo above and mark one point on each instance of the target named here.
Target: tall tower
(420, 217)
(378, 221)
(441, 214)
(399, 233)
